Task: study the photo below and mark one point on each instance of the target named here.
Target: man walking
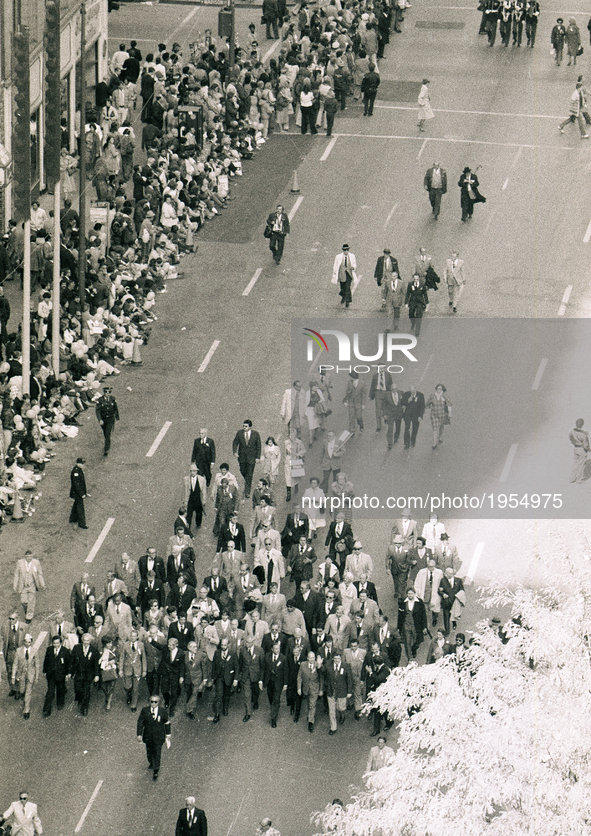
(435, 183)
(191, 821)
(413, 403)
(579, 438)
(56, 667)
(78, 493)
(278, 226)
(85, 670)
(275, 679)
(28, 578)
(25, 672)
(153, 729)
(417, 301)
(454, 278)
(381, 382)
(386, 266)
(369, 87)
(355, 401)
(195, 494)
(344, 272)
(107, 412)
(575, 110)
(132, 667)
(26, 818)
(203, 454)
(247, 449)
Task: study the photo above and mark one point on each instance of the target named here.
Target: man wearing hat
(385, 267)
(344, 272)
(107, 413)
(355, 400)
(77, 493)
(435, 183)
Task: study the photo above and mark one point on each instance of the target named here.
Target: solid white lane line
(295, 208)
(587, 237)
(88, 806)
(565, 298)
(389, 218)
(158, 439)
(505, 184)
(208, 356)
(252, 282)
(39, 641)
(475, 561)
(328, 149)
(422, 149)
(508, 462)
(539, 373)
(426, 368)
(101, 539)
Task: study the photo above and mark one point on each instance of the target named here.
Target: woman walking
(440, 406)
(425, 109)
(573, 41)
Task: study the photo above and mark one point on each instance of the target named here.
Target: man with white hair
(191, 821)
(265, 829)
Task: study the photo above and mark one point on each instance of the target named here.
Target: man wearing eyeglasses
(153, 729)
(359, 563)
(26, 818)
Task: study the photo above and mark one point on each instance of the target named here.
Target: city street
(220, 352)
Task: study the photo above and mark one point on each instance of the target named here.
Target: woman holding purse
(440, 406)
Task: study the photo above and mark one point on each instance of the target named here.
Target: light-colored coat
(420, 583)
(21, 575)
(26, 821)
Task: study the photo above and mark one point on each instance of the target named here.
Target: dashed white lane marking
(328, 149)
(505, 184)
(101, 539)
(426, 368)
(208, 356)
(422, 149)
(39, 641)
(508, 462)
(565, 298)
(158, 439)
(295, 208)
(252, 282)
(541, 369)
(475, 561)
(587, 237)
(88, 806)
(389, 218)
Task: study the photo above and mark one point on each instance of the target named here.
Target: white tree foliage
(499, 744)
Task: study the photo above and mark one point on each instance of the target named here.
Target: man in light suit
(422, 263)
(247, 449)
(381, 382)
(427, 584)
(28, 579)
(367, 608)
(435, 183)
(337, 626)
(13, 636)
(308, 684)
(274, 606)
(64, 629)
(132, 667)
(344, 273)
(203, 454)
(359, 563)
(195, 495)
(293, 406)
(84, 669)
(25, 672)
(129, 573)
(272, 563)
(407, 527)
(355, 401)
(231, 562)
(446, 554)
(118, 621)
(191, 820)
(251, 661)
(385, 267)
(413, 403)
(195, 668)
(354, 657)
(455, 279)
(113, 585)
(379, 755)
(25, 815)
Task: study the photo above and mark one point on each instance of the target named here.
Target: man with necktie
(247, 449)
(56, 667)
(26, 818)
(413, 404)
(132, 668)
(275, 679)
(191, 820)
(195, 490)
(203, 454)
(435, 183)
(355, 401)
(25, 673)
(455, 280)
(417, 301)
(85, 670)
(195, 666)
(224, 675)
(13, 637)
(381, 382)
(250, 673)
(153, 729)
(393, 413)
(107, 412)
(385, 266)
(278, 226)
(308, 686)
(80, 592)
(427, 584)
(398, 564)
(78, 493)
(344, 273)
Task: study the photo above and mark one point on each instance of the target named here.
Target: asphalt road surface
(220, 352)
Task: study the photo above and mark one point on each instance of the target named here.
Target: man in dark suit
(435, 183)
(296, 526)
(368, 586)
(107, 412)
(339, 540)
(195, 492)
(150, 589)
(80, 592)
(247, 449)
(233, 530)
(393, 413)
(449, 587)
(309, 604)
(181, 597)
(203, 454)
(191, 820)
(381, 382)
(84, 667)
(250, 673)
(179, 563)
(413, 403)
(275, 679)
(399, 565)
(172, 674)
(56, 667)
(272, 637)
(85, 614)
(216, 586)
(412, 622)
(150, 562)
(153, 729)
(378, 673)
(182, 631)
(224, 675)
(300, 560)
(385, 266)
(77, 493)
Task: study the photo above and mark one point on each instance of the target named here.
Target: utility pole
(232, 50)
(82, 207)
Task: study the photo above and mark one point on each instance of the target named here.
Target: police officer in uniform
(107, 413)
(78, 493)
